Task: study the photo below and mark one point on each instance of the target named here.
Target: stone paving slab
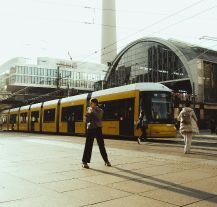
(45, 170)
(178, 195)
(212, 202)
(67, 185)
(134, 200)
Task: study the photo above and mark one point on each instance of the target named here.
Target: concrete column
(109, 46)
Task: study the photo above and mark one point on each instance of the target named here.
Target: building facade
(27, 80)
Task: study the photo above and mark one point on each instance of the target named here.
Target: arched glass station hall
(189, 70)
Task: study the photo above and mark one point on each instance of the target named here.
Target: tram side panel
(4, 120)
(119, 113)
(24, 119)
(35, 118)
(110, 117)
(72, 115)
(72, 119)
(49, 116)
(13, 124)
(162, 130)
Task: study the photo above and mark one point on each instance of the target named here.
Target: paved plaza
(45, 171)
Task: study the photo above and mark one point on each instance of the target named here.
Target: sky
(57, 28)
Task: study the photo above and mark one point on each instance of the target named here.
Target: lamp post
(58, 77)
(68, 89)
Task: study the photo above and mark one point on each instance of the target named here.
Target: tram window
(23, 117)
(126, 109)
(49, 115)
(72, 113)
(157, 106)
(161, 108)
(111, 110)
(13, 118)
(118, 109)
(65, 114)
(4, 119)
(34, 116)
(78, 113)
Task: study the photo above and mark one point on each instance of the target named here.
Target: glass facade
(146, 62)
(48, 77)
(210, 82)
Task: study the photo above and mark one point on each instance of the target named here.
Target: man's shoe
(85, 165)
(108, 164)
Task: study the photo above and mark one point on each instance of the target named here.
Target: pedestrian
(188, 125)
(142, 124)
(94, 129)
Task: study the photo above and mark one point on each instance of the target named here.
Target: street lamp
(58, 77)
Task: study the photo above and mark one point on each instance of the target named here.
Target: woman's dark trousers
(91, 134)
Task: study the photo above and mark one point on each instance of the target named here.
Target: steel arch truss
(148, 60)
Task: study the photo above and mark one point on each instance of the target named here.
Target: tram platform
(45, 171)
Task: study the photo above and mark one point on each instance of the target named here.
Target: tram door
(71, 121)
(126, 117)
(71, 115)
(34, 118)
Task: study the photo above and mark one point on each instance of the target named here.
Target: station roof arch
(184, 51)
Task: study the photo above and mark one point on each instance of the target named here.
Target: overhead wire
(164, 28)
(153, 24)
(157, 22)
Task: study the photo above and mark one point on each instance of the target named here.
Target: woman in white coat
(189, 128)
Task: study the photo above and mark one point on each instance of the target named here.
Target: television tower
(109, 46)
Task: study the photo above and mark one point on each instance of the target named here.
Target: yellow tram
(121, 106)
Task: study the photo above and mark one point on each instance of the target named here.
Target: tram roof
(136, 86)
(36, 105)
(15, 109)
(73, 98)
(24, 107)
(4, 111)
(51, 102)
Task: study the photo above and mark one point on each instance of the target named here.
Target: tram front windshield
(157, 106)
